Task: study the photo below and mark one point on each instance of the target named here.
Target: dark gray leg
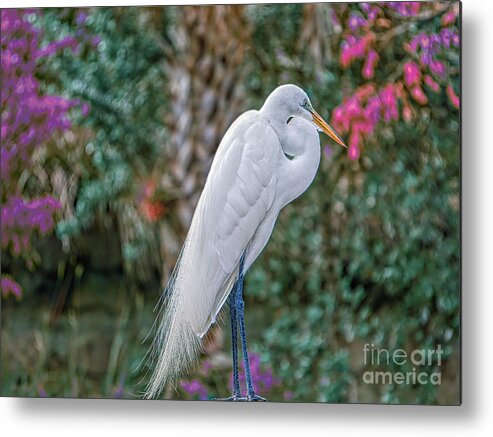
(240, 308)
(234, 347)
(234, 342)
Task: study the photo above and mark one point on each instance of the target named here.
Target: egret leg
(236, 396)
(240, 308)
(234, 342)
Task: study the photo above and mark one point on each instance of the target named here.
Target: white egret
(266, 159)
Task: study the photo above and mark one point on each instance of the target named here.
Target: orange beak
(322, 124)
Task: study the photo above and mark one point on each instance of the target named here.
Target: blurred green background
(369, 254)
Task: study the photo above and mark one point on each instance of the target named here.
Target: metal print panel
(232, 203)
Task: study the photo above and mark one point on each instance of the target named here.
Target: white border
(135, 418)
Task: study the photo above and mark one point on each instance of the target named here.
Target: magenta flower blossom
(437, 67)
(354, 153)
(419, 96)
(431, 83)
(449, 18)
(369, 68)
(454, 99)
(354, 48)
(412, 74)
(389, 102)
(427, 61)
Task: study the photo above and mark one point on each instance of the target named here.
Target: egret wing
(238, 193)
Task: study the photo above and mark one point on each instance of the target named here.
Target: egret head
(289, 101)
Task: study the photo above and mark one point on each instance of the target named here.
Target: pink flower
(369, 67)
(389, 102)
(412, 74)
(419, 96)
(424, 41)
(354, 139)
(432, 84)
(345, 57)
(437, 67)
(407, 113)
(355, 48)
(414, 43)
(353, 107)
(454, 99)
(456, 39)
(354, 153)
(449, 18)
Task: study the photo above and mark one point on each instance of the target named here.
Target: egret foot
(255, 398)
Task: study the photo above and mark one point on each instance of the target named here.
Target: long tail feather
(176, 346)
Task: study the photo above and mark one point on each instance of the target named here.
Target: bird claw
(255, 398)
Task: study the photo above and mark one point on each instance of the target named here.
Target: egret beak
(322, 124)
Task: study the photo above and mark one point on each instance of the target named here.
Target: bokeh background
(110, 118)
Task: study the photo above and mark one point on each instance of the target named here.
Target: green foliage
(370, 253)
(119, 74)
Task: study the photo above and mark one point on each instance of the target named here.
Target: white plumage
(266, 159)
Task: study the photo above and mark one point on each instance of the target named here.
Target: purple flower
(195, 388)
(446, 37)
(263, 380)
(95, 40)
(119, 392)
(81, 18)
(373, 109)
(29, 118)
(355, 21)
(437, 67)
(372, 13)
(414, 43)
(425, 57)
(85, 109)
(9, 286)
(405, 9)
(288, 395)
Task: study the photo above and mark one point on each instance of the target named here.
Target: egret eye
(305, 103)
(289, 120)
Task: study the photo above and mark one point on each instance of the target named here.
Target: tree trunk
(206, 70)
